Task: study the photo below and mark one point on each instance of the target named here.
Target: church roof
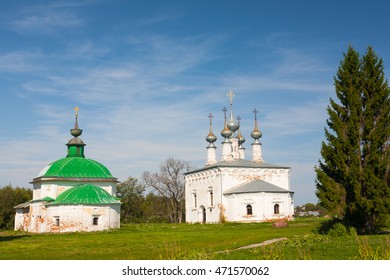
(23, 205)
(85, 194)
(239, 163)
(255, 187)
(75, 167)
(26, 204)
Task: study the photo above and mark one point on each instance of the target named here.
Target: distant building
(233, 188)
(71, 194)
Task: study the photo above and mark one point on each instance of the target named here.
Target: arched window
(249, 209)
(276, 209)
(95, 221)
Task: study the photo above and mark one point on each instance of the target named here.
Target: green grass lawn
(196, 241)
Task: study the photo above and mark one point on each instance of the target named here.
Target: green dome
(75, 167)
(84, 194)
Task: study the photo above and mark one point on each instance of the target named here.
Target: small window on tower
(95, 221)
(57, 221)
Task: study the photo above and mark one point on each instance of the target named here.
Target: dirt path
(267, 242)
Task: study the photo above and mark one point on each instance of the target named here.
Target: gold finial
(76, 110)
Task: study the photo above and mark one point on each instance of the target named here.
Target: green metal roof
(85, 194)
(255, 187)
(76, 167)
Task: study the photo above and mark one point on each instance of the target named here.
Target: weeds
(269, 252)
(368, 251)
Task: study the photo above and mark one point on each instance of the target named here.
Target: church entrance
(202, 214)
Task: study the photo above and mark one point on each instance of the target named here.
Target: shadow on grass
(327, 225)
(11, 238)
(337, 225)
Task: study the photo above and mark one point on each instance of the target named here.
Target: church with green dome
(71, 194)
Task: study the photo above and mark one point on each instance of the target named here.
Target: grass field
(197, 241)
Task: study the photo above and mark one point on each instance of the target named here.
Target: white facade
(227, 190)
(71, 194)
(39, 216)
(235, 189)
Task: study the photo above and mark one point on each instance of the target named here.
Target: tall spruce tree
(353, 178)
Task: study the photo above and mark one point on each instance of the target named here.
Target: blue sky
(146, 74)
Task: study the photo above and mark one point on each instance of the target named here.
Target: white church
(71, 194)
(235, 189)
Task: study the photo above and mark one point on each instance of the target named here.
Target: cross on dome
(211, 138)
(232, 125)
(256, 134)
(226, 132)
(255, 112)
(230, 94)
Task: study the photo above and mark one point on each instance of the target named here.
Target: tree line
(10, 197)
(158, 197)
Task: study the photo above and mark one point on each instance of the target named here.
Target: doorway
(202, 214)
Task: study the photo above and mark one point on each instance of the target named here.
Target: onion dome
(75, 166)
(256, 134)
(226, 132)
(76, 145)
(211, 138)
(241, 139)
(232, 124)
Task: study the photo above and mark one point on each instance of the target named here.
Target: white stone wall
(262, 205)
(54, 188)
(21, 220)
(237, 176)
(233, 207)
(81, 217)
(202, 184)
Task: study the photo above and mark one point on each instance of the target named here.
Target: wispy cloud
(296, 119)
(159, 18)
(45, 18)
(20, 61)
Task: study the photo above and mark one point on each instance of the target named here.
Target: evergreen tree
(353, 178)
(373, 199)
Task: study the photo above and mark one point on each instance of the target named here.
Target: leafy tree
(156, 208)
(169, 183)
(131, 194)
(9, 198)
(353, 178)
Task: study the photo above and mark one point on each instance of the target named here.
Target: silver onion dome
(233, 125)
(211, 138)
